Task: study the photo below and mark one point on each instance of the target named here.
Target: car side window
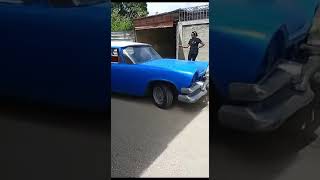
(127, 59)
(114, 55)
(128, 51)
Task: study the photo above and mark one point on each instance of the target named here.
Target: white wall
(184, 30)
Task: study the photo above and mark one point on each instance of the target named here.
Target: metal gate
(123, 36)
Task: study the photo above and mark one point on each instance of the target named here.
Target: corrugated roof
(165, 13)
(163, 20)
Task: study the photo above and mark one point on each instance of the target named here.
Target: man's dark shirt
(194, 42)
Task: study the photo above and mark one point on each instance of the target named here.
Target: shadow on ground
(41, 142)
(243, 156)
(140, 131)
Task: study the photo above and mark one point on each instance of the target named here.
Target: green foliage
(123, 14)
(120, 23)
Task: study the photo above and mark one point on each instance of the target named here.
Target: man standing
(194, 46)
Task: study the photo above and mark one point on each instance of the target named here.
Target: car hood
(184, 66)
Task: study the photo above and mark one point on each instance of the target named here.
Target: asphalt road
(150, 142)
(273, 156)
(38, 143)
(146, 142)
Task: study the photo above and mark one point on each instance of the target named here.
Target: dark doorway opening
(163, 40)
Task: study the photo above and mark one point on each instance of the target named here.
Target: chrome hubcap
(158, 95)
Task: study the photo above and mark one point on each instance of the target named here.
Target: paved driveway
(274, 156)
(40, 144)
(150, 142)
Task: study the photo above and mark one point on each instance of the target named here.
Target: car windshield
(141, 54)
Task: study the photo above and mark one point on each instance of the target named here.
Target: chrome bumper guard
(276, 102)
(194, 93)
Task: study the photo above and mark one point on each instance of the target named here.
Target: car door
(9, 15)
(54, 52)
(127, 77)
(116, 80)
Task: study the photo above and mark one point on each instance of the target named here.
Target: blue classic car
(54, 52)
(137, 69)
(260, 69)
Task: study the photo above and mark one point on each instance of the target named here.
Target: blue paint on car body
(55, 54)
(241, 32)
(256, 62)
(135, 79)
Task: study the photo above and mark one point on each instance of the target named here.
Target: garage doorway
(163, 40)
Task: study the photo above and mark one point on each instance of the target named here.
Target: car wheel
(162, 96)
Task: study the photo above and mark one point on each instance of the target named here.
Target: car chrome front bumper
(194, 93)
(271, 102)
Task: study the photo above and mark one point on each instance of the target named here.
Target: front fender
(238, 56)
(240, 41)
(177, 79)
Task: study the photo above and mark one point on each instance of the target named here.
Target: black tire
(168, 95)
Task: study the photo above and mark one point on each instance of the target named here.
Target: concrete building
(167, 31)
